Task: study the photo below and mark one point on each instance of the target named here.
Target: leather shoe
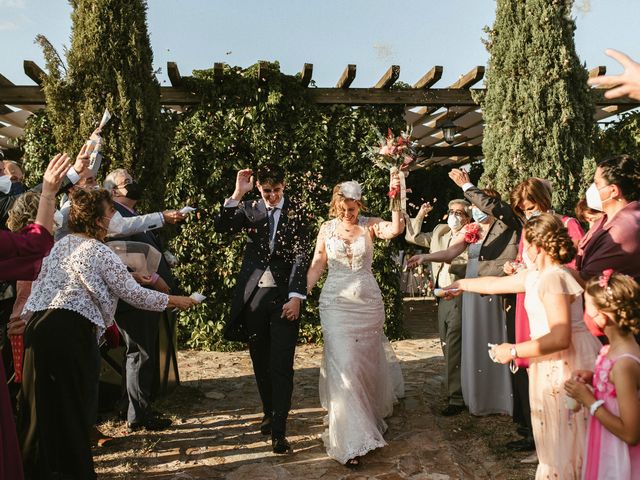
(280, 445)
(451, 410)
(524, 445)
(150, 423)
(265, 426)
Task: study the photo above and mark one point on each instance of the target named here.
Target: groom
(270, 287)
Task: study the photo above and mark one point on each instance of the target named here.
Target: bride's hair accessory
(351, 190)
(603, 280)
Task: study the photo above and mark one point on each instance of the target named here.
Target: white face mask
(5, 184)
(531, 214)
(116, 224)
(58, 220)
(593, 198)
(454, 222)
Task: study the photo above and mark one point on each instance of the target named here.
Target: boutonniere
(291, 214)
(472, 233)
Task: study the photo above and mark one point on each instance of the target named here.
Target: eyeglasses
(457, 213)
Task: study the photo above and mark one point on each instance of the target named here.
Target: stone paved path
(216, 412)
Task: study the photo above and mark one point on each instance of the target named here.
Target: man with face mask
(119, 226)
(140, 328)
(443, 274)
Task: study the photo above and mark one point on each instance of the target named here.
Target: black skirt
(54, 402)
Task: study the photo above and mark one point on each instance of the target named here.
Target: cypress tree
(109, 65)
(537, 109)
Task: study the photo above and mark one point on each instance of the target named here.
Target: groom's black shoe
(280, 445)
(265, 426)
(524, 445)
(451, 410)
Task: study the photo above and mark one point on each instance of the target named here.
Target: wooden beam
(17, 119)
(5, 82)
(33, 95)
(475, 151)
(389, 78)
(470, 78)
(306, 74)
(34, 72)
(597, 71)
(429, 78)
(218, 71)
(174, 74)
(347, 77)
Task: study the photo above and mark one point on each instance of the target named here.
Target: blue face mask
(478, 215)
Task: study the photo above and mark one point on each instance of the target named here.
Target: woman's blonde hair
(336, 207)
(618, 295)
(547, 232)
(24, 211)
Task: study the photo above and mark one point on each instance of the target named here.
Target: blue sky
(330, 34)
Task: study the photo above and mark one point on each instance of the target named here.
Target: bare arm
(319, 261)
(457, 247)
(387, 230)
(56, 171)
(625, 375)
(492, 285)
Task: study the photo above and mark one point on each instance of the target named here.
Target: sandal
(353, 462)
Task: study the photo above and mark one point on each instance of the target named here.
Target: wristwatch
(513, 352)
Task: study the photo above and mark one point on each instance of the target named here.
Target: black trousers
(272, 344)
(59, 377)
(139, 330)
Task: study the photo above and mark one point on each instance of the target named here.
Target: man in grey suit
(443, 274)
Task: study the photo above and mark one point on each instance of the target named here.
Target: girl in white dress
(360, 378)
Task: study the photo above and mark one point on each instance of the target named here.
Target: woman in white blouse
(71, 304)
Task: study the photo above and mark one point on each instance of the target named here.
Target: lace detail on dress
(343, 254)
(87, 277)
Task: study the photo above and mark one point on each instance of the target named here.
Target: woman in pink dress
(560, 342)
(21, 254)
(613, 450)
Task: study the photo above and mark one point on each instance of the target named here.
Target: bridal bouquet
(394, 154)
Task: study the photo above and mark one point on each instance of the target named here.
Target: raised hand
(425, 208)
(55, 173)
(244, 183)
(82, 160)
(625, 84)
(459, 176)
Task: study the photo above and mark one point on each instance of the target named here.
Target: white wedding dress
(360, 378)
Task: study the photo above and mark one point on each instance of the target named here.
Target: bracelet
(48, 197)
(595, 406)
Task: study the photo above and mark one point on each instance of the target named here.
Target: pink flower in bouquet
(472, 233)
(386, 150)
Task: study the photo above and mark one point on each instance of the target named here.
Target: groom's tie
(272, 226)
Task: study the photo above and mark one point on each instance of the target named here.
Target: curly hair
(87, 208)
(24, 211)
(547, 232)
(620, 298)
(535, 190)
(623, 171)
(336, 207)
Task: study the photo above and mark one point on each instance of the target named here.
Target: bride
(360, 378)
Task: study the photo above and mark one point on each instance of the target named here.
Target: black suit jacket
(288, 262)
(501, 243)
(149, 237)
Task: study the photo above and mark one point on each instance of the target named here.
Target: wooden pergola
(426, 107)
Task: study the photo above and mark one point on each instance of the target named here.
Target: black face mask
(134, 192)
(17, 188)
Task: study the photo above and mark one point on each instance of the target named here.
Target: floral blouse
(87, 277)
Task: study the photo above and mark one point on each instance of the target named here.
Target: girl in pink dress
(612, 450)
